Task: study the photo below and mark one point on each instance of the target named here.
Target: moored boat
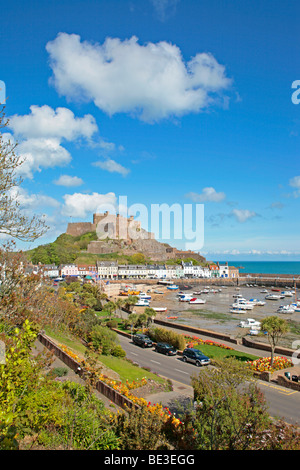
(197, 301)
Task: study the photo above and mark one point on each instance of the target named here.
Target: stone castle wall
(112, 226)
(79, 228)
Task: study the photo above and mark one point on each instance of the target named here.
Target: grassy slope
(125, 369)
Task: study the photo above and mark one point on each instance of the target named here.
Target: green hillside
(65, 249)
(69, 249)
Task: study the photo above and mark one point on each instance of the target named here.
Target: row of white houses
(113, 270)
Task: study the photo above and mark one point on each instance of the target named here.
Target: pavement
(180, 398)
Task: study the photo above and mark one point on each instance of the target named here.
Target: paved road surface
(282, 402)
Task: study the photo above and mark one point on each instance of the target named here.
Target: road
(282, 402)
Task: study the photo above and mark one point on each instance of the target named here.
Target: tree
(275, 328)
(151, 314)
(120, 303)
(230, 413)
(111, 308)
(230, 409)
(13, 221)
(130, 301)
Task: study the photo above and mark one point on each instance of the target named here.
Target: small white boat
(160, 309)
(265, 291)
(257, 302)
(143, 295)
(197, 301)
(272, 297)
(237, 310)
(243, 305)
(197, 292)
(185, 298)
(142, 303)
(285, 309)
(287, 294)
(173, 287)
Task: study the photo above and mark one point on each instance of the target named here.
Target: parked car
(166, 348)
(142, 340)
(195, 356)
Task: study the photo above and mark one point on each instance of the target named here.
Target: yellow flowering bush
(124, 390)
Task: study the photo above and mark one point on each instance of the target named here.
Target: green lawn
(128, 371)
(216, 352)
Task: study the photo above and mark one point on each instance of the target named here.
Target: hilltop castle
(120, 234)
(113, 226)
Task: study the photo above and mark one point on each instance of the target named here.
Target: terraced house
(107, 269)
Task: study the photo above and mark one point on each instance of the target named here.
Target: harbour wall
(268, 280)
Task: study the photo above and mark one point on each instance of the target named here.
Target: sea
(267, 267)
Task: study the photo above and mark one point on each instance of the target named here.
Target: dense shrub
(118, 351)
(167, 336)
(112, 323)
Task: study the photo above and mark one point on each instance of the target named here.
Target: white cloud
(242, 215)
(80, 205)
(66, 180)
(295, 183)
(112, 166)
(208, 194)
(43, 121)
(151, 81)
(164, 8)
(41, 153)
(41, 133)
(30, 201)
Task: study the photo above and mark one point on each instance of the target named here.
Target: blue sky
(164, 102)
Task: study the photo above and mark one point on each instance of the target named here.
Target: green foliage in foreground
(36, 411)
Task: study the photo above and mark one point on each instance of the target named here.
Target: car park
(142, 340)
(166, 348)
(195, 356)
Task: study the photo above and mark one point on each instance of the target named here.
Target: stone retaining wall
(266, 347)
(284, 382)
(195, 330)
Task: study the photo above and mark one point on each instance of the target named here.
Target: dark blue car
(195, 356)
